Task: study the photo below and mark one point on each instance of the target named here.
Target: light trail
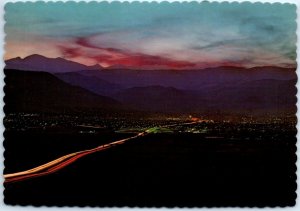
(66, 160)
(61, 162)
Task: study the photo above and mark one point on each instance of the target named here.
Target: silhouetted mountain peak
(36, 62)
(35, 56)
(96, 67)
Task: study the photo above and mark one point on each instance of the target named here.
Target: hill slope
(93, 84)
(255, 97)
(43, 92)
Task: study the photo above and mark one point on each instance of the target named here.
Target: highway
(61, 162)
(65, 160)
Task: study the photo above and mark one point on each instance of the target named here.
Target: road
(65, 160)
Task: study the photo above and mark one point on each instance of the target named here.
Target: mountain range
(38, 82)
(40, 63)
(32, 91)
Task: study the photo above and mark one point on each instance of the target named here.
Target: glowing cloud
(144, 35)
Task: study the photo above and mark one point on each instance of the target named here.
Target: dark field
(228, 165)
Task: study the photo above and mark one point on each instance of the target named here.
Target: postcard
(150, 104)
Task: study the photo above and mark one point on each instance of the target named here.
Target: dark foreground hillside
(159, 170)
(27, 91)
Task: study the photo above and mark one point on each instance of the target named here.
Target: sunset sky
(152, 35)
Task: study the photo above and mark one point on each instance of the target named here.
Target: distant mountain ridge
(40, 63)
(257, 90)
(190, 79)
(52, 65)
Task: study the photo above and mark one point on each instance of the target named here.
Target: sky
(152, 35)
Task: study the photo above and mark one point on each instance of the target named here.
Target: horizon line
(114, 67)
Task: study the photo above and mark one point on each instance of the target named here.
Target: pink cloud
(81, 47)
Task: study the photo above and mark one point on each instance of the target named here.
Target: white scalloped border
(67, 208)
